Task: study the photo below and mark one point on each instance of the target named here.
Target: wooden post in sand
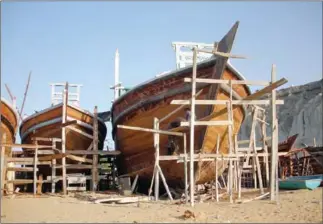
(185, 167)
(53, 168)
(192, 121)
(95, 149)
(230, 173)
(156, 145)
(64, 118)
(216, 169)
(3, 163)
(35, 168)
(274, 144)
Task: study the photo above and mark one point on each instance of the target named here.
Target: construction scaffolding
(47, 154)
(241, 159)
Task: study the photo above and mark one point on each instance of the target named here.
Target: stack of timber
(140, 105)
(48, 124)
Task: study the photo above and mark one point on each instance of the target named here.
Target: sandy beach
(301, 206)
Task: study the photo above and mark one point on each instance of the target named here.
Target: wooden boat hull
(9, 123)
(47, 123)
(139, 106)
(301, 182)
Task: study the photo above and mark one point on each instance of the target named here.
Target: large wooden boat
(9, 126)
(140, 105)
(47, 123)
(9, 123)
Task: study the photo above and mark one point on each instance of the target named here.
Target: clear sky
(76, 42)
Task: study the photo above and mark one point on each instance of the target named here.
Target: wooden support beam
(53, 176)
(80, 132)
(192, 125)
(274, 144)
(35, 169)
(253, 96)
(95, 138)
(156, 146)
(82, 152)
(234, 82)
(25, 146)
(21, 169)
(207, 123)
(46, 139)
(185, 168)
(51, 157)
(64, 119)
(79, 166)
(223, 102)
(150, 130)
(3, 162)
(79, 159)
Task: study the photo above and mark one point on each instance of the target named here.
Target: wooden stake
(216, 169)
(264, 145)
(53, 175)
(257, 165)
(156, 145)
(3, 163)
(95, 177)
(35, 169)
(185, 168)
(274, 145)
(230, 174)
(192, 182)
(164, 181)
(64, 118)
(134, 183)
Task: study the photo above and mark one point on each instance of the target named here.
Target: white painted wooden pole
(216, 169)
(185, 167)
(273, 139)
(35, 168)
(192, 180)
(64, 118)
(156, 144)
(116, 75)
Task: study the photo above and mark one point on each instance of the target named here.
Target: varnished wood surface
(74, 140)
(9, 123)
(137, 147)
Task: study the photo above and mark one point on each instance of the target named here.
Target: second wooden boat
(47, 124)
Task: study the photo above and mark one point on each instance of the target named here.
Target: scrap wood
(121, 200)
(256, 198)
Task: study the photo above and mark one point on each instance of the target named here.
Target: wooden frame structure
(237, 156)
(49, 154)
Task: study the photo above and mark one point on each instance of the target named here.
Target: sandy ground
(301, 206)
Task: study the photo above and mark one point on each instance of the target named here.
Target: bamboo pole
(95, 149)
(64, 118)
(156, 145)
(273, 139)
(192, 126)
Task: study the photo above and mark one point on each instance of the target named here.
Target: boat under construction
(139, 106)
